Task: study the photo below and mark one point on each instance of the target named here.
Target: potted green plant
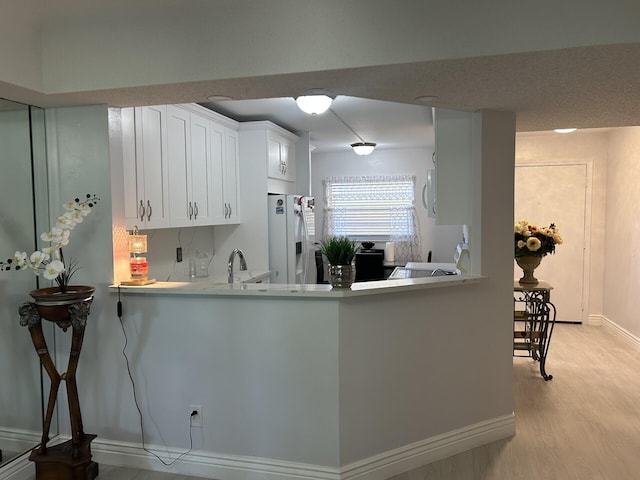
(340, 253)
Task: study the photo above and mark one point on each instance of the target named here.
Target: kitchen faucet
(243, 263)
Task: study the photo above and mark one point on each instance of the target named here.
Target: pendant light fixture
(314, 102)
(361, 147)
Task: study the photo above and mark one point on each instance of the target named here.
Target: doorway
(546, 194)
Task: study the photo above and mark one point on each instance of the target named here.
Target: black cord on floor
(135, 397)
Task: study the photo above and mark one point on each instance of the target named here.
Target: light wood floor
(583, 425)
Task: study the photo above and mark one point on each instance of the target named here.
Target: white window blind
(369, 207)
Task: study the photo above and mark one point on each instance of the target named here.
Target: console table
(533, 320)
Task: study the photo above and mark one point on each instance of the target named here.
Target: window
(369, 208)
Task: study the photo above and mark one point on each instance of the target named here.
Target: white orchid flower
(71, 206)
(52, 236)
(64, 238)
(65, 222)
(50, 249)
(38, 257)
(53, 269)
(75, 216)
(20, 259)
(84, 209)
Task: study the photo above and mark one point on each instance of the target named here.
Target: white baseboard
(236, 467)
(621, 332)
(18, 440)
(430, 450)
(595, 320)
(18, 469)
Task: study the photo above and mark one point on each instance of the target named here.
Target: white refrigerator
(291, 239)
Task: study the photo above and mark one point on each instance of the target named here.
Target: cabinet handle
(229, 211)
(190, 211)
(226, 210)
(195, 211)
(141, 211)
(149, 210)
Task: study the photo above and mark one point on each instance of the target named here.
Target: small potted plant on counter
(340, 253)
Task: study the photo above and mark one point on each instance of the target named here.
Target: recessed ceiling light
(426, 98)
(565, 130)
(219, 98)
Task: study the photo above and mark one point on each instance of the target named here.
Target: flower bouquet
(531, 244)
(531, 240)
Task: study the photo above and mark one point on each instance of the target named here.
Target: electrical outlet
(179, 254)
(195, 415)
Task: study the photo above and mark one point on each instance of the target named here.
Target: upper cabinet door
(151, 167)
(280, 157)
(231, 176)
(274, 162)
(216, 174)
(179, 154)
(201, 194)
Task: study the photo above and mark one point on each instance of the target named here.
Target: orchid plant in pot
(50, 261)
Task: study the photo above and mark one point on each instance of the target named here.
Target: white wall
(622, 232)
(21, 47)
(89, 46)
(441, 240)
(78, 160)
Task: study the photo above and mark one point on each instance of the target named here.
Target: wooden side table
(70, 460)
(534, 319)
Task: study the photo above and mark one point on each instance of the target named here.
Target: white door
(547, 194)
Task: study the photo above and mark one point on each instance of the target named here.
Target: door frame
(588, 199)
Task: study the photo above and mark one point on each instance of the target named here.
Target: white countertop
(212, 287)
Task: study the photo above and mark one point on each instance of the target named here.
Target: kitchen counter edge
(296, 290)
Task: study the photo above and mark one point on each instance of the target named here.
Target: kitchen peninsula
(324, 380)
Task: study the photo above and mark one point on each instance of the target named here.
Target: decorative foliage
(50, 260)
(533, 240)
(338, 250)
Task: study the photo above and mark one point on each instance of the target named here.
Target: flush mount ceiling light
(426, 98)
(219, 98)
(314, 102)
(363, 148)
(565, 130)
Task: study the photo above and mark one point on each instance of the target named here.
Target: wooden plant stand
(70, 460)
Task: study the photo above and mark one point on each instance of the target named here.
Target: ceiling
(388, 124)
(584, 87)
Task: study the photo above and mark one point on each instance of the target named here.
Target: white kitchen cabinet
(281, 156)
(145, 167)
(231, 177)
(267, 148)
(189, 154)
(180, 167)
(456, 143)
(224, 151)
